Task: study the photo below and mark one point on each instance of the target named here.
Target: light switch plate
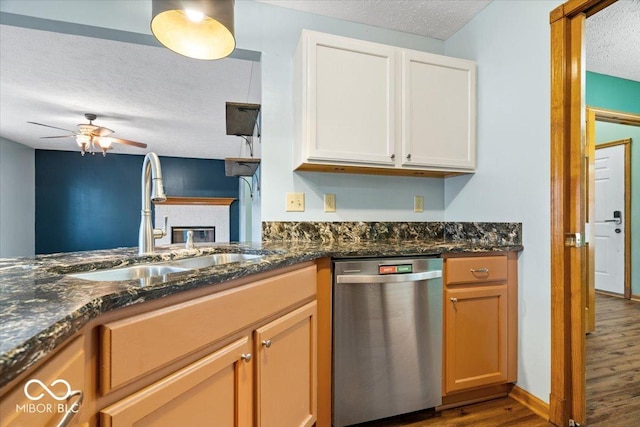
(329, 202)
(418, 204)
(295, 202)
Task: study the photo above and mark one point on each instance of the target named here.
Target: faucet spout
(152, 190)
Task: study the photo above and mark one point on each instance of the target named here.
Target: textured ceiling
(439, 19)
(613, 40)
(148, 94)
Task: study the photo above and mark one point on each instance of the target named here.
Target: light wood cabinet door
(214, 391)
(346, 100)
(475, 336)
(286, 370)
(46, 395)
(438, 112)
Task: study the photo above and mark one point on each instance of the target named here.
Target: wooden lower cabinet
(480, 324)
(476, 337)
(286, 374)
(266, 377)
(216, 390)
(45, 396)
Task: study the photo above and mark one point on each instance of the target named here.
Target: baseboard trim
(530, 401)
(635, 297)
(474, 396)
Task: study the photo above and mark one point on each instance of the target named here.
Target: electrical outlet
(418, 204)
(329, 202)
(295, 202)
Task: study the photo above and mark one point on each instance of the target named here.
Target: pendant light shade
(200, 29)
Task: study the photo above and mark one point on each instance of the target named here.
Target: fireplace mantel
(217, 201)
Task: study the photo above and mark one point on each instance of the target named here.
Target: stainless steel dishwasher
(387, 337)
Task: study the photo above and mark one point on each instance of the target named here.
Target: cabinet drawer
(475, 269)
(137, 345)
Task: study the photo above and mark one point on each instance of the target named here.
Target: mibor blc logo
(59, 390)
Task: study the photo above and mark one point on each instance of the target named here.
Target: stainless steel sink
(129, 273)
(143, 271)
(214, 259)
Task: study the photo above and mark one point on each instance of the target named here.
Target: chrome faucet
(152, 190)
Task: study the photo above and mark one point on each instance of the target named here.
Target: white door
(609, 229)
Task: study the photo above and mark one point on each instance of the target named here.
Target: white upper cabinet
(438, 111)
(363, 107)
(348, 102)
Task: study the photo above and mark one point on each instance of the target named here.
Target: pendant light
(200, 29)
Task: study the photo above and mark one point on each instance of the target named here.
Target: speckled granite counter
(41, 306)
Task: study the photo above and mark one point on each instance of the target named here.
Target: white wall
(17, 200)
(510, 42)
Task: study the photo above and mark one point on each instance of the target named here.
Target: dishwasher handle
(388, 278)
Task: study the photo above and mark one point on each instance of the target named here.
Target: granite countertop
(41, 306)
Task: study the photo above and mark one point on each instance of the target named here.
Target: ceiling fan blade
(61, 136)
(126, 142)
(49, 126)
(102, 131)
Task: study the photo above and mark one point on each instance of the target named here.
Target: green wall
(622, 95)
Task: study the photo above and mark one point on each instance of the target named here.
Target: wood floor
(613, 364)
(494, 413)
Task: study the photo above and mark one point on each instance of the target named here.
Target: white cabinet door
(348, 100)
(438, 112)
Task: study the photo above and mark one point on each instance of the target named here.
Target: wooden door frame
(567, 399)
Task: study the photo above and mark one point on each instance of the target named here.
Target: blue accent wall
(93, 202)
(612, 93)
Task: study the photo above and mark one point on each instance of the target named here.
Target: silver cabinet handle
(393, 156)
(246, 357)
(72, 410)
(454, 300)
(266, 343)
(479, 270)
(388, 278)
(409, 156)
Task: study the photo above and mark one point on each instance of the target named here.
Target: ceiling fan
(91, 137)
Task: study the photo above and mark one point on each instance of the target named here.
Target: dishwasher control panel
(395, 269)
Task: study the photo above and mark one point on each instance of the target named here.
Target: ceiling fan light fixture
(83, 140)
(103, 141)
(200, 29)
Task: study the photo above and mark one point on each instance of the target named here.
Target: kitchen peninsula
(44, 311)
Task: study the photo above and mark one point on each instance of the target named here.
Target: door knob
(617, 218)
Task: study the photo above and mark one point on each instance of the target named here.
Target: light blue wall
(510, 42)
(275, 31)
(17, 200)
